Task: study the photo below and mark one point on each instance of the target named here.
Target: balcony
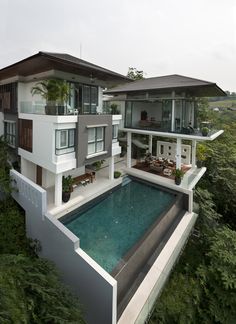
(55, 109)
(178, 117)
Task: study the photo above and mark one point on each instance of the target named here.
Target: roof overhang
(44, 61)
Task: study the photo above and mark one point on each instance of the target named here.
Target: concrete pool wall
(132, 263)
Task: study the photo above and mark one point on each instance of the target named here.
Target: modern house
(116, 240)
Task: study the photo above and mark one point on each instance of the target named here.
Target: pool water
(112, 226)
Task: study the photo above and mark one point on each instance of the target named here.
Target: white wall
(43, 154)
(154, 110)
(28, 169)
(96, 289)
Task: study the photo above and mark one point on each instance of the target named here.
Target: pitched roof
(46, 60)
(168, 82)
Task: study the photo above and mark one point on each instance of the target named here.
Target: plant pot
(50, 110)
(60, 110)
(65, 196)
(177, 181)
(199, 164)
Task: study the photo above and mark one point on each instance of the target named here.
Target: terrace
(84, 193)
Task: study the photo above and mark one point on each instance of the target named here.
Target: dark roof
(174, 82)
(43, 61)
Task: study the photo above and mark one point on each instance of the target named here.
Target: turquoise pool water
(112, 226)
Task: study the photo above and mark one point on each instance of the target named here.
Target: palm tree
(54, 91)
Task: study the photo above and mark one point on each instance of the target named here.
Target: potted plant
(117, 174)
(200, 154)
(67, 183)
(205, 131)
(114, 109)
(55, 92)
(178, 173)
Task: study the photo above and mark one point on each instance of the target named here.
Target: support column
(111, 168)
(129, 147)
(58, 189)
(194, 144)
(150, 144)
(173, 112)
(178, 154)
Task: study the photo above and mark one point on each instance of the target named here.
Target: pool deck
(83, 194)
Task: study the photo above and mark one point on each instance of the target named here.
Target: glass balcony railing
(52, 108)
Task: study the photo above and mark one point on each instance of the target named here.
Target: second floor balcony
(52, 108)
(166, 115)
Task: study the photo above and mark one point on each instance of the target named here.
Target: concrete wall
(96, 120)
(96, 289)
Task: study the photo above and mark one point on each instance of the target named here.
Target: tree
(134, 74)
(30, 292)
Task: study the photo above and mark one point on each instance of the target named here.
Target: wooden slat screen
(26, 134)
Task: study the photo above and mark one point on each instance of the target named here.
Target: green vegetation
(30, 287)
(202, 287)
(135, 74)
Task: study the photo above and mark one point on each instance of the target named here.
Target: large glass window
(65, 141)
(10, 132)
(84, 98)
(95, 140)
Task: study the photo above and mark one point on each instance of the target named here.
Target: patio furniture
(83, 179)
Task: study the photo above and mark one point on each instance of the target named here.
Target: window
(95, 140)
(85, 98)
(115, 133)
(26, 134)
(10, 132)
(65, 141)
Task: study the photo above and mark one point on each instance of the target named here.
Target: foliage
(31, 293)
(218, 277)
(53, 90)
(12, 230)
(117, 174)
(205, 131)
(135, 74)
(67, 183)
(202, 152)
(202, 289)
(5, 183)
(178, 173)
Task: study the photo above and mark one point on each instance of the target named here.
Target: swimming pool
(112, 224)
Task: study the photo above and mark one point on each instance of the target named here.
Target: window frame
(96, 141)
(115, 130)
(68, 147)
(10, 132)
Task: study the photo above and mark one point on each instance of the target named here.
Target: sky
(195, 38)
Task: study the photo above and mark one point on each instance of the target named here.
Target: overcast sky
(195, 38)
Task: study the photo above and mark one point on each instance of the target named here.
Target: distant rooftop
(174, 82)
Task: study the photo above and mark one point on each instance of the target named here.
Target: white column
(129, 147)
(58, 189)
(111, 168)
(150, 144)
(190, 202)
(173, 112)
(178, 153)
(194, 144)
